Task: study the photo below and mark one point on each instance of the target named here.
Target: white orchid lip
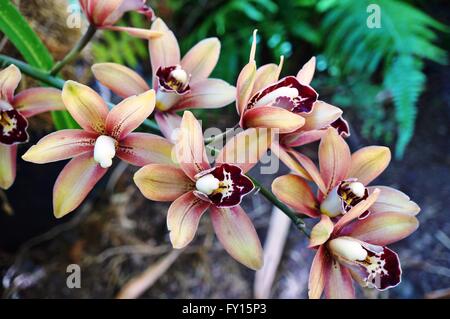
(289, 92)
(104, 150)
(348, 249)
(207, 184)
(357, 188)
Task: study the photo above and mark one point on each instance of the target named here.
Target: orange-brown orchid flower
(14, 112)
(180, 83)
(105, 13)
(195, 187)
(104, 135)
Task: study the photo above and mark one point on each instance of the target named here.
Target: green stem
(32, 71)
(76, 50)
(298, 222)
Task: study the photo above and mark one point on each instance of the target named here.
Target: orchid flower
(105, 13)
(342, 181)
(14, 111)
(179, 83)
(196, 186)
(356, 248)
(104, 135)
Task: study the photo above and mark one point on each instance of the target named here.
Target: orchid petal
(118, 78)
(245, 149)
(273, 117)
(238, 235)
(162, 183)
(283, 154)
(306, 73)
(339, 282)
(369, 162)
(164, 50)
(85, 106)
(201, 60)
(318, 273)
(392, 200)
(8, 155)
(38, 100)
(129, 114)
(206, 94)
(321, 116)
(295, 192)
(138, 32)
(311, 168)
(190, 149)
(321, 232)
(383, 228)
(183, 218)
(74, 183)
(266, 75)
(9, 80)
(61, 145)
(334, 158)
(301, 137)
(168, 123)
(356, 210)
(143, 148)
(244, 86)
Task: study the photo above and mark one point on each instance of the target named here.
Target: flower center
(207, 184)
(173, 79)
(348, 249)
(13, 127)
(343, 197)
(104, 150)
(287, 92)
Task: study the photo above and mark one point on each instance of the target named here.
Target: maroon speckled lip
(13, 127)
(303, 103)
(168, 83)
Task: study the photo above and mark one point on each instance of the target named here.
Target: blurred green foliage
(376, 73)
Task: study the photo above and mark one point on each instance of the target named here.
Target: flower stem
(76, 50)
(298, 222)
(32, 71)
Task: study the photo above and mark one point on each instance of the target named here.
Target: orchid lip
(223, 185)
(173, 79)
(13, 127)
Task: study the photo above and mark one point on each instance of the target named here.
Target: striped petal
(383, 228)
(164, 50)
(190, 149)
(283, 154)
(295, 192)
(129, 114)
(321, 232)
(206, 94)
(245, 149)
(369, 162)
(392, 200)
(273, 117)
(318, 273)
(238, 235)
(143, 148)
(74, 183)
(244, 86)
(9, 80)
(160, 182)
(118, 78)
(183, 218)
(306, 73)
(137, 32)
(321, 116)
(85, 106)
(339, 282)
(8, 155)
(201, 59)
(38, 100)
(168, 123)
(334, 158)
(61, 145)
